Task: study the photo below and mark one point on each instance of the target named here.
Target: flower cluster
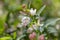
(25, 20)
(29, 22)
(32, 36)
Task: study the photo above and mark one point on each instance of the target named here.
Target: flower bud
(23, 5)
(32, 36)
(41, 37)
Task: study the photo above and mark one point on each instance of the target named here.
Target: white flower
(32, 12)
(30, 30)
(25, 20)
(41, 24)
(57, 26)
(34, 27)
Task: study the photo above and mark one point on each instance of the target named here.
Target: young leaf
(41, 10)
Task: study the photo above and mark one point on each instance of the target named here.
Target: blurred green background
(50, 16)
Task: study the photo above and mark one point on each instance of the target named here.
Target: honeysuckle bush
(26, 20)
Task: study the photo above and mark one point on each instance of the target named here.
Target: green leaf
(51, 21)
(6, 38)
(51, 30)
(19, 38)
(14, 35)
(36, 4)
(41, 9)
(2, 21)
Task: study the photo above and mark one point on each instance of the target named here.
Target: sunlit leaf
(5, 38)
(2, 21)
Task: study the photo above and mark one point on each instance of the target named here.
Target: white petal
(32, 12)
